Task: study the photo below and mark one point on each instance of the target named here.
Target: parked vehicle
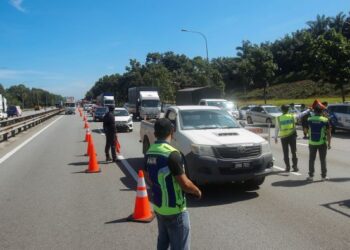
(14, 111)
(192, 96)
(216, 149)
(123, 120)
(99, 113)
(243, 111)
(3, 107)
(263, 114)
(339, 115)
(144, 102)
(69, 106)
(229, 106)
(105, 100)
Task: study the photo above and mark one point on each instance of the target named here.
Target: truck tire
(268, 121)
(255, 182)
(145, 145)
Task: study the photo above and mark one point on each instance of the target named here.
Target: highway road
(48, 202)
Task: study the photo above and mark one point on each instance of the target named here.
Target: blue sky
(64, 46)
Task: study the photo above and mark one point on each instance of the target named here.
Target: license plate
(242, 165)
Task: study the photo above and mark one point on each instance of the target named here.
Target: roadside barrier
(14, 126)
(142, 210)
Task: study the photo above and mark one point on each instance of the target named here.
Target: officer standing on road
(319, 140)
(285, 128)
(111, 133)
(165, 172)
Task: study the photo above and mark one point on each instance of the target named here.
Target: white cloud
(17, 4)
(16, 74)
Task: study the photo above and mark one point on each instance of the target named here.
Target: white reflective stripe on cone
(141, 193)
(141, 182)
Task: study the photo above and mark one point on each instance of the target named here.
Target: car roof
(119, 108)
(214, 100)
(265, 106)
(195, 107)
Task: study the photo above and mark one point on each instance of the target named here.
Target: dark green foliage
(320, 52)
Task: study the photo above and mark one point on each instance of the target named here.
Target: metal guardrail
(12, 127)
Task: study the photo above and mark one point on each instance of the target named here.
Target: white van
(339, 115)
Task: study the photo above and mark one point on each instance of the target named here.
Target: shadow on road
(79, 163)
(343, 179)
(341, 135)
(341, 207)
(292, 183)
(213, 195)
(97, 131)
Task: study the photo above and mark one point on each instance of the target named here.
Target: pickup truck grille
(238, 151)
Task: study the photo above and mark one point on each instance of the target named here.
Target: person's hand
(198, 194)
(329, 147)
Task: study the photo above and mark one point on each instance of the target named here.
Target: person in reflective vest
(165, 172)
(319, 140)
(285, 129)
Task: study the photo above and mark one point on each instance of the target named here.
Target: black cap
(284, 108)
(162, 128)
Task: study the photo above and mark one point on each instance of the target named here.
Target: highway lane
(46, 202)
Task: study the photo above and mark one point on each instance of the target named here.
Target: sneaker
(310, 178)
(305, 137)
(326, 178)
(287, 170)
(295, 170)
(108, 159)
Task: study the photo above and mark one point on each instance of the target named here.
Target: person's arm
(329, 135)
(177, 170)
(302, 114)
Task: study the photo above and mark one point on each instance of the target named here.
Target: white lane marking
(282, 169)
(128, 167)
(303, 144)
(9, 154)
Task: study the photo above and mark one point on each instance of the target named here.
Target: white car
(123, 120)
(263, 114)
(229, 106)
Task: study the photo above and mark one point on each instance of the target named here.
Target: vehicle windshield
(101, 110)
(230, 106)
(109, 102)
(206, 119)
(150, 103)
(272, 110)
(220, 104)
(121, 112)
(70, 105)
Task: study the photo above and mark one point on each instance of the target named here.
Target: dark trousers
(322, 150)
(290, 141)
(110, 144)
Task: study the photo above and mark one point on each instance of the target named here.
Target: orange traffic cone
(86, 125)
(117, 146)
(142, 210)
(93, 164)
(89, 145)
(87, 135)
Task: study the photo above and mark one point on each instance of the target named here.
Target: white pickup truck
(215, 147)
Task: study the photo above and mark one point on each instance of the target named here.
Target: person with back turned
(285, 128)
(165, 172)
(111, 133)
(319, 140)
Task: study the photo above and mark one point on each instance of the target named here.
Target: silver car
(263, 114)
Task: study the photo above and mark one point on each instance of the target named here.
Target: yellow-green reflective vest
(286, 124)
(318, 130)
(168, 197)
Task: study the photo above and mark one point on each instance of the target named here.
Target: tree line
(20, 95)
(319, 52)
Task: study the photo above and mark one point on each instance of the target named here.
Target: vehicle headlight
(202, 150)
(130, 119)
(265, 148)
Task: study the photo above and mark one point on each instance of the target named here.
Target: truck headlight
(202, 150)
(265, 148)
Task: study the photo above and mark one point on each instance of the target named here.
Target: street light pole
(204, 37)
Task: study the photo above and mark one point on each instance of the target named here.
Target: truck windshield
(220, 104)
(70, 105)
(150, 103)
(206, 119)
(109, 102)
(121, 112)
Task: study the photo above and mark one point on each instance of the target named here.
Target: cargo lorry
(215, 147)
(3, 107)
(144, 102)
(69, 106)
(105, 100)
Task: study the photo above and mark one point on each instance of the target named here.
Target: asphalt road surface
(48, 202)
